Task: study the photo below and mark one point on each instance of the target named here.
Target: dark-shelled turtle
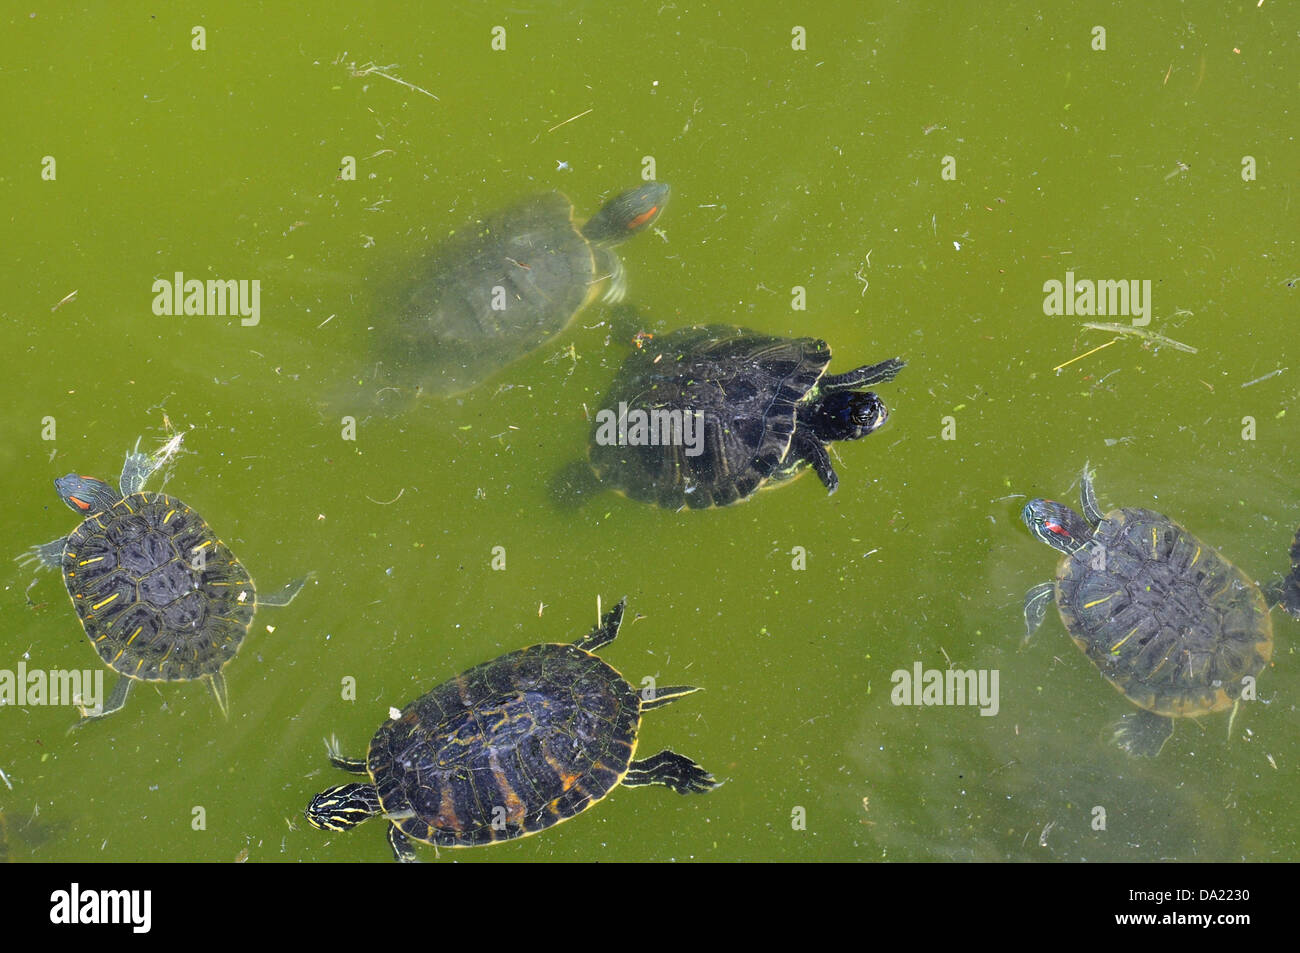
(1169, 622)
(507, 749)
(160, 596)
(705, 416)
(497, 290)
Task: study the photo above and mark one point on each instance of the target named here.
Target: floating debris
(1140, 332)
(1258, 380)
(1059, 367)
(370, 69)
(570, 119)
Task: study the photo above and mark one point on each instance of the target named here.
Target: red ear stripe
(643, 218)
(79, 503)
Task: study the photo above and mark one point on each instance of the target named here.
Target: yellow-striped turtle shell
(160, 596)
(508, 748)
(1168, 621)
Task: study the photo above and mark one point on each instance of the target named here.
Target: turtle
(160, 596)
(499, 289)
(1286, 592)
(705, 416)
(1174, 626)
(507, 749)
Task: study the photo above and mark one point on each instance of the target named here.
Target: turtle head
(626, 214)
(848, 415)
(343, 807)
(85, 494)
(1056, 525)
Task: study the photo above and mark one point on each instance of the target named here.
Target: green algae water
(900, 180)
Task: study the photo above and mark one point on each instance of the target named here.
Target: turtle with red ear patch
(499, 288)
(160, 596)
(1174, 626)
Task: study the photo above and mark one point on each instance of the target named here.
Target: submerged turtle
(160, 596)
(1171, 623)
(503, 287)
(507, 749)
(705, 416)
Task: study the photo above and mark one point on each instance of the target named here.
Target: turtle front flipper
(1088, 497)
(46, 556)
(617, 274)
(606, 632)
(138, 467)
(672, 770)
(136, 470)
(862, 376)
(350, 765)
(1036, 601)
(806, 446)
(1142, 734)
(114, 703)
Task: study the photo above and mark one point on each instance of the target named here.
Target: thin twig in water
(1058, 367)
(389, 502)
(570, 119)
(1265, 377)
(370, 69)
(1140, 332)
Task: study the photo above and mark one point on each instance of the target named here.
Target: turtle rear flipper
(672, 770)
(1142, 734)
(217, 682)
(285, 595)
(806, 447)
(403, 852)
(665, 695)
(115, 702)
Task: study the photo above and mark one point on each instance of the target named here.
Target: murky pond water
(920, 174)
